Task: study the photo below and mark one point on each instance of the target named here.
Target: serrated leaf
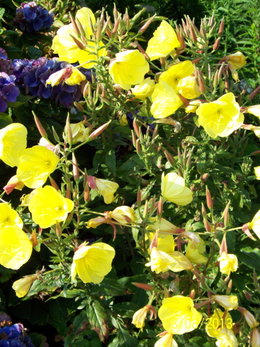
(98, 319)
(34, 52)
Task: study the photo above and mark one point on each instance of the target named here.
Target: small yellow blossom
(221, 117)
(123, 215)
(87, 51)
(68, 75)
(48, 206)
(128, 68)
(9, 217)
(161, 261)
(257, 172)
(178, 315)
(15, 247)
(12, 184)
(165, 100)
(92, 262)
(139, 317)
(35, 165)
(188, 87)
(236, 60)
(79, 132)
(173, 189)
(107, 189)
(255, 110)
(228, 263)
(162, 225)
(195, 251)
(23, 285)
(143, 90)
(166, 341)
(217, 321)
(255, 224)
(163, 42)
(95, 222)
(228, 302)
(13, 139)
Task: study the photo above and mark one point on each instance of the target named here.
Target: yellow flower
(166, 341)
(255, 224)
(79, 132)
(161, 261)
(86, 52)
(23, 285)
(165, 100)
(165, 242)
(123, 215)
(15, 247)
(35, 165)
(92, 263)
(226, 338)
(48, 206)
(162, 225)
(178, 315)
(257, 172)
(188, 87)
(144, 89)
(163, 42)
(140, 316)
(228, 263)
(173, 189)
(13, 139)
(236, 60)
(228, 302)
(195, 251)
(175, 73)
(9, 217)
(255, 110)
(107, 189)
(69, 75)
(218, 321)
(221, 117)
(128, 68)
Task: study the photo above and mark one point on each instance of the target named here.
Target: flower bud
(123, 215)
(249, 317)
(23, 285)
(255, 338)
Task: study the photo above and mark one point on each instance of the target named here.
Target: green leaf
(98, 318)
(2, 11)
(250, 257)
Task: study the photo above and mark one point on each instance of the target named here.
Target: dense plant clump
(128, 203)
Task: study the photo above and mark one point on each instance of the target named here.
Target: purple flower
(32, 18)
(31, 76)
(8, 90)
(5, 63)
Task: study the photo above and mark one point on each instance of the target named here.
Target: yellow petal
(15, 247)
(13, 139)
(163, 42)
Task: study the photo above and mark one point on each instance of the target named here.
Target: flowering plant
(128, 153)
